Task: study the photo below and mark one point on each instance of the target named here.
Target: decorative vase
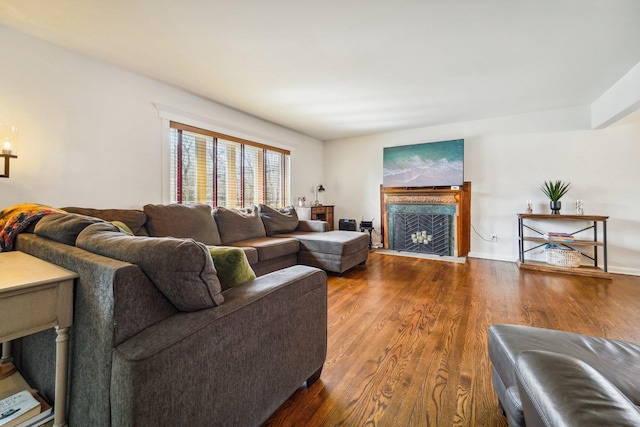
(300, 203)
(555, 207)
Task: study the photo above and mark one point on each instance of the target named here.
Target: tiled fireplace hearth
(427, 220)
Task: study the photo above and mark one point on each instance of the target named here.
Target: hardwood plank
(407, 338)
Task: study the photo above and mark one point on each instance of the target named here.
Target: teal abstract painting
(432, 164)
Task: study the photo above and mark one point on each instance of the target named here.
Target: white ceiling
(339, 68)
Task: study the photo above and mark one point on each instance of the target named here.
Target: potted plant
(554, 191)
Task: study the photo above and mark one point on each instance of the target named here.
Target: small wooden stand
(540, 240)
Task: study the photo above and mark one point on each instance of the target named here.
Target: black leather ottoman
(617, 361)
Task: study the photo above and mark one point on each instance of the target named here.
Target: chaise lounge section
(336, 251)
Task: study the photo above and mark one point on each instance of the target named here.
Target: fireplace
(427, 220)
(422, 232)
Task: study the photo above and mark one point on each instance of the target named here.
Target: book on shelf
(18, 408)
(558, 234)
(15, 383)
(559, 237)
(37, 421)
(45, 415)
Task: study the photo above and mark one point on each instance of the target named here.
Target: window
(221, 170)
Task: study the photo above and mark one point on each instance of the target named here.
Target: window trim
(182, 126)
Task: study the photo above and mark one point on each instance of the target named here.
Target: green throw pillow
(122, 226)
(232, 266)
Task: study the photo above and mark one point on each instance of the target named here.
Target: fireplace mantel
(460, 198)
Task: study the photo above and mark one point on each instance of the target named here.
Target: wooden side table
(36, 295)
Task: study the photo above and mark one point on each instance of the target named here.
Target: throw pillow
(232, 266)
(63, 227)
(182, 269)
(123, 227)
(277, 221)
(236, 225)
(194, 222)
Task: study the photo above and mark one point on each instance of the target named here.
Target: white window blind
(221, 170)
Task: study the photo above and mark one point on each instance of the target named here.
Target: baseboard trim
(460, 260)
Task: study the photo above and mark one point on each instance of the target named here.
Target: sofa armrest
(231, 365)
(312, 225)
(559, 390)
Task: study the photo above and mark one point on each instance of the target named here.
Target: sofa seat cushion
(618, 361)
(182, 269)
(183, 221)
(277, 221)
(336, 242)
(134, 218)
(270, 248)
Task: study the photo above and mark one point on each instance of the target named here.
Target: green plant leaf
(554, 190)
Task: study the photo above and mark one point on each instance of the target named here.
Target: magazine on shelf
(18, 408)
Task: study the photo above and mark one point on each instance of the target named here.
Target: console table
(36, 295)
(539, 240)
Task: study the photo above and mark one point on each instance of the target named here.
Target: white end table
(36, 295)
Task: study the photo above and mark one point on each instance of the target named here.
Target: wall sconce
(9, 141)
(320, 189)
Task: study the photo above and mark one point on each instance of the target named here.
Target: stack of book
(21, 406)
(559, 236)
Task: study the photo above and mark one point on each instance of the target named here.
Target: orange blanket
(15, 219)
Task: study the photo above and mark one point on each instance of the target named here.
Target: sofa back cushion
(278, 221)
(135, 219)
(182, 269)
(63, 227)
(193, 222)
(236, 225)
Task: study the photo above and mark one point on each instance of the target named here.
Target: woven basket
(562, 257)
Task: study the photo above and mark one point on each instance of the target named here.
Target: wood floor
(407, 338)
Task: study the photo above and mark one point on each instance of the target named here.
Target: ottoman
(617, 361)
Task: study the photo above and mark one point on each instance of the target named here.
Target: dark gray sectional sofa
(157, 338)
(271, 239)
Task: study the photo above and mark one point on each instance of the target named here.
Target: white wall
(506, 160)
(90, 134)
